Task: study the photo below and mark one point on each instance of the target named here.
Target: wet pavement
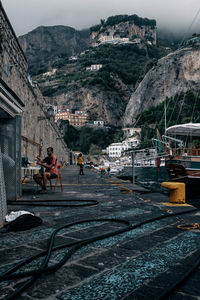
(125, 262)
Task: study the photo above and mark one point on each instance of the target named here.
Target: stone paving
(135, 264)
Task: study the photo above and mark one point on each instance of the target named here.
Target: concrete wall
(37, 125)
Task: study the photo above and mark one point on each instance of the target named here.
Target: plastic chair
(57, 179)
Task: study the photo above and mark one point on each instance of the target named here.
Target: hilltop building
(124, 29)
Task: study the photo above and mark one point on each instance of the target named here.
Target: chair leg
(61, 183)
(50, 184)
(56, 184)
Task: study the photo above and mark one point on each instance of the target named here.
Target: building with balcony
(117, 149)
(76, 120)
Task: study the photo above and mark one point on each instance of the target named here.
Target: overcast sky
(26, 15)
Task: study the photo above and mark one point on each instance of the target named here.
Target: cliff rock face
(99, 105)
(178, 71)
(44, 45)
(125, 30)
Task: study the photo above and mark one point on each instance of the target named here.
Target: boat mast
(165, 117)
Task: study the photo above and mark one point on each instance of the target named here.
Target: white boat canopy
(192, 129)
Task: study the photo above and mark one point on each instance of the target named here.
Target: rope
(189, 28)
(174, 106)
(166, 111)
(180, 110)
(194, 106)
(189, 226)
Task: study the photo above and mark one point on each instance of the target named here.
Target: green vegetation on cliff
(89, 140)
(126, 61)
(114, 20)
(180, 109)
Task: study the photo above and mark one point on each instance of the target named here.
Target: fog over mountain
(175, 16)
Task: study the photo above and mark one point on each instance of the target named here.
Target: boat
(183, 159)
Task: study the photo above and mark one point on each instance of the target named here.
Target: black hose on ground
(45, 202)
(43, 269)
(75, 246)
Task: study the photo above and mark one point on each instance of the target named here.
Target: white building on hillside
(95, 124)
(99, 123)
(50, 73)
(94, 67)
(117, 149)
(132, 142)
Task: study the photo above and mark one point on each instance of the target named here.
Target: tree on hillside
(182, 108)
(88, 139)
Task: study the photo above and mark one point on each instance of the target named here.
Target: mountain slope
(125, 46)
(104, 94)
(47, 44)
(177, 72)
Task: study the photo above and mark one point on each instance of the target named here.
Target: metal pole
(165, 116)
(3, 206)
(133, 167)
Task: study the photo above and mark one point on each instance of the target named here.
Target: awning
(10, 104)
(191, 129)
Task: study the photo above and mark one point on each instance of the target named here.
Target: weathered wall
(36, 124)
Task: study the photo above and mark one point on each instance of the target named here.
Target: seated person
(50, 164)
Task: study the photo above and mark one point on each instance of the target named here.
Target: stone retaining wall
(37, 125)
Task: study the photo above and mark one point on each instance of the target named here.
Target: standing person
(80, 163)
(50, 164)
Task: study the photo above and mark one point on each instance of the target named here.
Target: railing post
(133, 167)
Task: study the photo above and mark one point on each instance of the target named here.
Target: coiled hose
(35, 274)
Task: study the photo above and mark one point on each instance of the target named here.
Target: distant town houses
(75, 119)
(60, 108)
(132, 140)
(117, 149)
(78, 118)
(95, 124)
(111, 39)
(94, 67)
(114, 40)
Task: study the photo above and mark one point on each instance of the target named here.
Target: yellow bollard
(177, 191)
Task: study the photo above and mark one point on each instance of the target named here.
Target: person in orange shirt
(80, 163)
(50, 164)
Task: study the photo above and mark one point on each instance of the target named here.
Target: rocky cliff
(178, 71)
(47, 44)
(130, 28)
(104, 94)
(99, 104)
